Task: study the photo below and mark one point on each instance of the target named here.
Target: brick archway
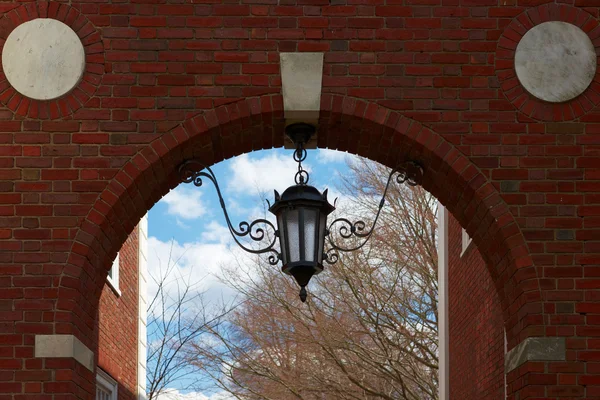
(347, 124)
(168, 80)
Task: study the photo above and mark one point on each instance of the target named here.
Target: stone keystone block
(301, 78)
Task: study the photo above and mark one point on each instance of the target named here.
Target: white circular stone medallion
(555, 61)
(43, 59)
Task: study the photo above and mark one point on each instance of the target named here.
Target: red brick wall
(476, 328)
(118, 322)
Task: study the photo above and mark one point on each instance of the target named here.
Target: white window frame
(443, 318)
(466, 242)
(106, 383)
(113, 276)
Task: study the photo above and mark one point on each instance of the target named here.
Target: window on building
(106, 387)
(466, 241)
(113, 276)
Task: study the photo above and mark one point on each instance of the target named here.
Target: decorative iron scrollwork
(193, 171)
(410, 173)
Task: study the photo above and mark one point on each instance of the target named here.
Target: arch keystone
(301, 80)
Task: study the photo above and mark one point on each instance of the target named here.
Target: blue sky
(188, 225)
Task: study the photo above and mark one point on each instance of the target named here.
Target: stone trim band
(535, 349)
(64, 346)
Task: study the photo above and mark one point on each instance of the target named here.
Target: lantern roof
(302, 195)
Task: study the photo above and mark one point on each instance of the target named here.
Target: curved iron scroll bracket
(193, 171)
(410, 173)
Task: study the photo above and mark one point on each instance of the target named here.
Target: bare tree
(369, 330)
(178, 315)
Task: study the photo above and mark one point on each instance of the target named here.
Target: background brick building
(121, 321)
(476, 333)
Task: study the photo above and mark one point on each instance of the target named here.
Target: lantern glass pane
(322, 222)
(310, 232)
(293, 235)
(282, 238)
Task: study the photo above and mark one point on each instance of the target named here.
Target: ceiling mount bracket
(300, 133)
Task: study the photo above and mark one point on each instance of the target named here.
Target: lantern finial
(303, 294)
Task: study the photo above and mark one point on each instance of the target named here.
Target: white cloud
(237, 206)
(200, 263)
(216, 233)
(331, 156)
(174, 394)
(197, 263)
(262, 175)
(185, 203)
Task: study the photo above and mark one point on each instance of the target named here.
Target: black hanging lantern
(301, 212)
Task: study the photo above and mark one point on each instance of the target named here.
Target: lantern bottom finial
(302, 273)
(303, 294)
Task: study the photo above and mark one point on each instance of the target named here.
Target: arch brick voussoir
(345, 124)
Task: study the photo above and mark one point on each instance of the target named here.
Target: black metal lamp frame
(193, 171)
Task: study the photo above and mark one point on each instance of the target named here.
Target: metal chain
(302, 175)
